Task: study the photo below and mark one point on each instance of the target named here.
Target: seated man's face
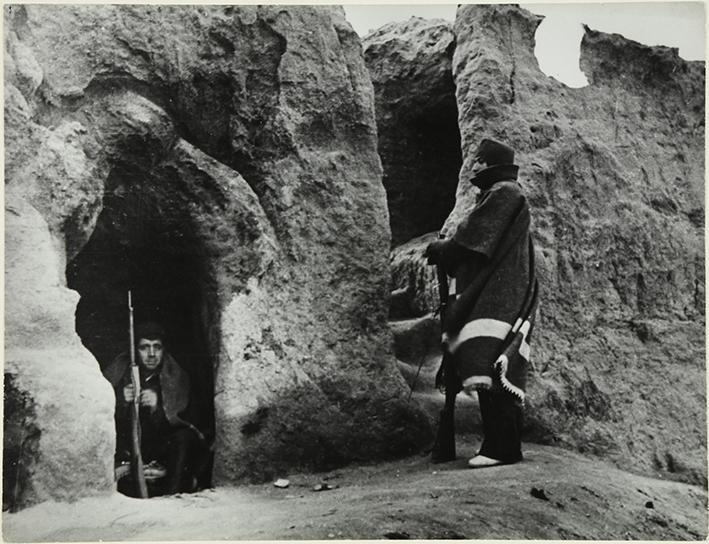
(150, 353)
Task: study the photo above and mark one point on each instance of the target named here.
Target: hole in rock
(558, 48)
(144, 240)
(421, 163)
(442, 160)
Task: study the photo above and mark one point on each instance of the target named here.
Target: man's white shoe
(480, 461)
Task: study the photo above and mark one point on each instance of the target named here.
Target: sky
(673, 24)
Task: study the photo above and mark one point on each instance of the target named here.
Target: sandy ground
(574, 497)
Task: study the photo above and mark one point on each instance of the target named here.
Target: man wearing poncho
(492, 302)
(171, 445)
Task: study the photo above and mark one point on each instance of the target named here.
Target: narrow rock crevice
(417, 122)
(513, 62)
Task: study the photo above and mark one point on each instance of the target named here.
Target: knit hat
(493, 153)
(150, 331)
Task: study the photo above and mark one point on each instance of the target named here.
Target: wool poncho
(494, 300)
(174, 384)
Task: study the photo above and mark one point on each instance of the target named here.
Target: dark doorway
(144, 241)
(421, 156)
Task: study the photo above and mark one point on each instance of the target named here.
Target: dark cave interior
(421, 166)
(144, 241)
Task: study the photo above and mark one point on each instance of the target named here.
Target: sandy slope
(585, 498)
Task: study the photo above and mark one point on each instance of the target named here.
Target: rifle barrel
(136, 456)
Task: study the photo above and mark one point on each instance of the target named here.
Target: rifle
(136, 459)
(446, 378)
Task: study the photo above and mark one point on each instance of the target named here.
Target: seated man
(168, 440)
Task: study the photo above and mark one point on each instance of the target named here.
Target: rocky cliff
(221, 162)
(614, 173)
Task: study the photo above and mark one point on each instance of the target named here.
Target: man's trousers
(502, 426)
(178, 452)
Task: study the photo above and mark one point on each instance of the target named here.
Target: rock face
(221, 162)
(614, 173)
(419, 143)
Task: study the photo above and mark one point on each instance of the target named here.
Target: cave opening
(422, 160)
(144, 241)
(441, 160)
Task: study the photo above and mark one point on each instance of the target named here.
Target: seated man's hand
(149, 398)
(128, 393)
(433, 251)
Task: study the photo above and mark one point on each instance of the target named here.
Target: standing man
(170, 444)
(492, 303)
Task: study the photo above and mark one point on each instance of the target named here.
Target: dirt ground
(553, 494)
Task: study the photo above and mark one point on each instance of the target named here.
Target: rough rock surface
(58, 435)
(415, 282)
(419, 143)
(247, 136)
(615, 176)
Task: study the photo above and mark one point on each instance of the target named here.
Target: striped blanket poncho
(494, 300)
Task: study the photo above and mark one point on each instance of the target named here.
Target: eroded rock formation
(222, 160)
(615, 176)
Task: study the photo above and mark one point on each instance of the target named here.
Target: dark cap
(150, 331)
(493, 153)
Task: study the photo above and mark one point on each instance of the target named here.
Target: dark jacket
(174, 388)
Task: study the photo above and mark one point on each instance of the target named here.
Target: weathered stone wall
(614, 173)
(254, 127)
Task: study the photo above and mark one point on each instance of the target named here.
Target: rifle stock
(136, 464)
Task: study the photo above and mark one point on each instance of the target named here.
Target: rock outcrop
(614, 173)
(221, 160)
(419, 143)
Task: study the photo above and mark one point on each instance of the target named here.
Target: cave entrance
(144, 241)
(421, 157)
